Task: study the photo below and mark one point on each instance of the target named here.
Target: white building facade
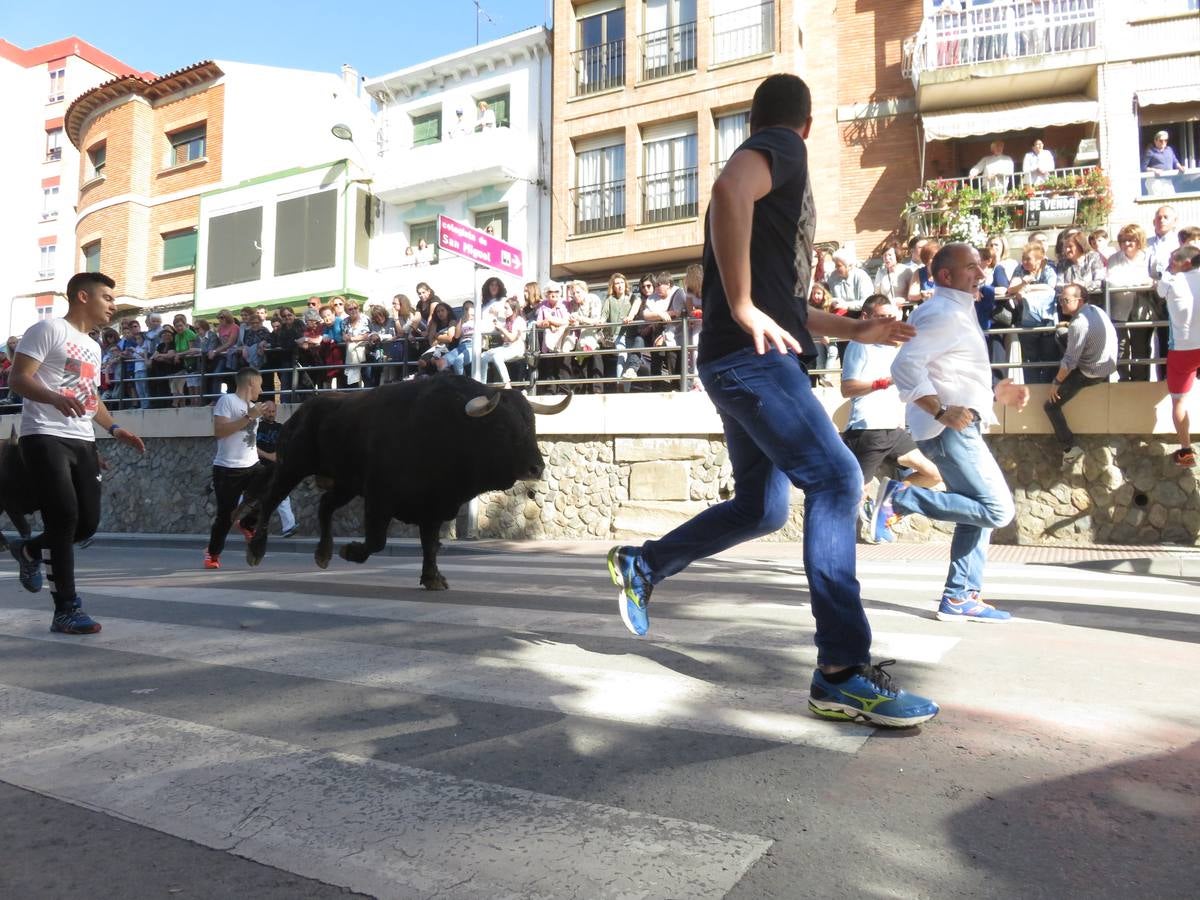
(41, 173)
(488, 169)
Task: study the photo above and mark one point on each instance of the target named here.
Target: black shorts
(873, 446)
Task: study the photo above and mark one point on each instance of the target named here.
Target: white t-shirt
(70, 365)
(240, 449)
(1183, 308)
(878, 409)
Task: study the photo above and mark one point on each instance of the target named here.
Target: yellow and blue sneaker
(626, 569)
(869, 695)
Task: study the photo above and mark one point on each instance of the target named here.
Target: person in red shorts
(1180, 286)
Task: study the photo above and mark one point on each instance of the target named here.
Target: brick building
(149, 148)
(37, 219)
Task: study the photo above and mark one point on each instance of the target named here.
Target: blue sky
(375, 37)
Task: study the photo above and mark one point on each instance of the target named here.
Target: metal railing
(599, 207)
(599, 68)
(668, 196)
(1008, 182)
(954, 36)
(742, 33)
(660, 365)
(668, 51)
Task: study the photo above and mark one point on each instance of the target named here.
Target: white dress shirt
(1159, 250)
(1037, 166)
(947, 358)
(996, 172)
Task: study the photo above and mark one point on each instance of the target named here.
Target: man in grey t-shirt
(1090, 358)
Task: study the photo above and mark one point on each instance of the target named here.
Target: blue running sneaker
(624, 567)
(970, 609)
(73, 620)
(31, 569)
(883, 516)
(869, 696)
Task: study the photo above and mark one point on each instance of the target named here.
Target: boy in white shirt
(235, 426)
(57, 371)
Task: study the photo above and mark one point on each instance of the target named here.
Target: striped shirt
(1091, 343)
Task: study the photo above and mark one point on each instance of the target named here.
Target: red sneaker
(247, 533)
(210, 561)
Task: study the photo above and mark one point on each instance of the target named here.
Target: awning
(1186, 93)
(1000, 117)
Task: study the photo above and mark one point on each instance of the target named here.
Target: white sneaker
(1071, 454)
(631, 372)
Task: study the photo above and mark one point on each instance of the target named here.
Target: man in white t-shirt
(57, 371)
(875, 431)
(995, 170)
(235, 426)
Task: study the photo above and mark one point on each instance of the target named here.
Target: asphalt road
(287, 732)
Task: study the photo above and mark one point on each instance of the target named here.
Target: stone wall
(1123, 490)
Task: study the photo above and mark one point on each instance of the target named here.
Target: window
(305, 228)
(91, 257)
(669, 185)
(45, 313)
(498, 104)
(742, 28)
(600, 188)
(50, 202)
(1182, 125)
(179, 250)
(427, 232)
(669, 40)
(95, 157)
(53, 144)
(732, 129)
(427, 128)
(495, 219)
(600, 59)
(46, 261)
(364, 226)
(235, 248)
(58, 78)
(187, 146)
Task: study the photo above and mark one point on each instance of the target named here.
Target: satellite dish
(342, 132)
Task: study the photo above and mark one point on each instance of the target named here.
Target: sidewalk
(1160, 560)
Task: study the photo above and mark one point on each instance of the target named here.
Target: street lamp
(342, 132)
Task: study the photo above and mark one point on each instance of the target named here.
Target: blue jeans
(977, 499)
(778, 434)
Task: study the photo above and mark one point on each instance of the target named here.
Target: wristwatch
(941, 412)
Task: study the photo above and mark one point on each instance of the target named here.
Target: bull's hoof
(255, 551)
(354, 552)
(321, 557)
(434, 582)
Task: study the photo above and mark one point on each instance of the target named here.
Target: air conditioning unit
(1088, 153)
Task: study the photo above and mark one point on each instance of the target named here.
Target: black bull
(414, 451)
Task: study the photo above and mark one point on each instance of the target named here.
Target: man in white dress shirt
(944, 376)
(996, 170)
(1038, 164)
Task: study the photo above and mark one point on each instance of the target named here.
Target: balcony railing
(599, 68)
(599, 207)
(669, 51)
(742, 33)
(1000, 31)
(667, 196)
(966, 209)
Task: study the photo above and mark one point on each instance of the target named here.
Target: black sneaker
(290, 531)
(73, 620)
(31, 569)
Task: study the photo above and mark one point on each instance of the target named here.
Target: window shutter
(179, 250)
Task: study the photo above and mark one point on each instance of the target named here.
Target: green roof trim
(276, 176)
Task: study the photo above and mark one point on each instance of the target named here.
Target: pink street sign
(478, 246)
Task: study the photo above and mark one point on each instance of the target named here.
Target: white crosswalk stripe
(376, 827)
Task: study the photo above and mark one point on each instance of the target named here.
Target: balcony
(964, 209)
(452, 278)
(599, 207)
(997, 51)
(743, 33)
(599, 68)
(669, 196)
(669, 51)
(463, 163)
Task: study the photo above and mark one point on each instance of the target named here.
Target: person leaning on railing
(281, 351)
(1034, 282)
(510, 326)
(551, 321)
(1079, 264)
(615, 311)
(1129, 301)
(584, 310)
(381, 333)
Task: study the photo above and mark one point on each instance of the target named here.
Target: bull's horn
(477, 407)
(550, 409)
